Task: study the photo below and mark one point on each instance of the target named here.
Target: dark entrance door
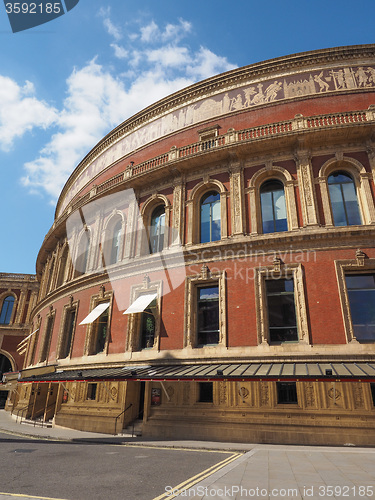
(141, 399)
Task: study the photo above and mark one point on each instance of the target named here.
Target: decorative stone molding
(280, 271)
(306, 188)
(178, 225)
(191, 285)
(237, 199)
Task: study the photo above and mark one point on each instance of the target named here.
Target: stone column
(253, 210)
(307, 189)
(21, 305)
(131, 229)
(178, 213)
(237, 199)
(326, 201)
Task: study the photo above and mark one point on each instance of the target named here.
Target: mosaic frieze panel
(256, 93)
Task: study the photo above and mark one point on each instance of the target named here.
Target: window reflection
(210, 223)
(344, 202)
(157, 230)
(208, 315)
(272, 200)
(282, 318)
(361, 292)
(6, 310)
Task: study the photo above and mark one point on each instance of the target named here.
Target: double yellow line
(199, 477)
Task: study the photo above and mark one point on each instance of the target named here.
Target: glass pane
(208, 315)
(281, 285)
(337, 204)
(279, 202)
(362, 308)
(281, 311)
(157, 230)
(210, 197)
(273, 207)
(216, 210)
(148, 329)
(205, 213)
(210, 218)
(6, 310)
(216, 230)
(360, 281)
(351, 203)
(339, 178)
(267, 212)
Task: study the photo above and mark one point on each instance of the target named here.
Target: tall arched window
(210, 220)
(273, 207)
(6, 310)
(344, 202)
(83, 254)
(115, 243)
(64, 262)
(157, 229)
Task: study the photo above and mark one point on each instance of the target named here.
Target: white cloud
(108, 24)
(97, 100)
(21, 111)
(120, 52)
(206, 64)
(176, 32)
(170, 56)
(149, 32)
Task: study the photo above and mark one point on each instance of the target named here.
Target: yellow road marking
(185, 485)
(29, 496)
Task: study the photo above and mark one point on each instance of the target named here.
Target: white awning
(141, 303)
(95, 313)
(22, 346)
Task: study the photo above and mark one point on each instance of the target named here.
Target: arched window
(115, 243)
(157, 229)
(83, 254)
(64, 262)
(344, 202)
(210, 220)
(6, 310)
(273, 207)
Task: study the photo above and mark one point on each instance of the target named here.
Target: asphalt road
(95, 471)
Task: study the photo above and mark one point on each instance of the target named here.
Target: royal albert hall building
(210, 270)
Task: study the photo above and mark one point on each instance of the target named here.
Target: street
(96, 471)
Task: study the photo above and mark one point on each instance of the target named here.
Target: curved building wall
(236, 219)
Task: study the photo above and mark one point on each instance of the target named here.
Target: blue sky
(67, 83)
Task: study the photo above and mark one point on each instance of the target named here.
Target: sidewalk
(9, 425)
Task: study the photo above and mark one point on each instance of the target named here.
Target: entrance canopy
(210, 372)
(141, 303)
(95, 313)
